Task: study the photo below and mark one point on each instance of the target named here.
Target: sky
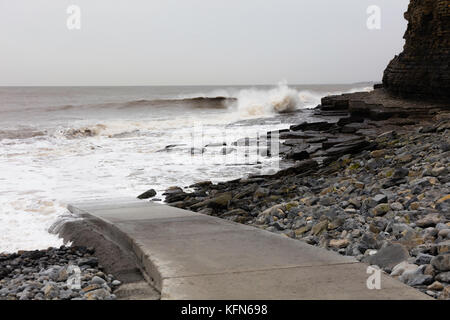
(197, 42)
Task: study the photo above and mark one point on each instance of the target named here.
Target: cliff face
(422, 69)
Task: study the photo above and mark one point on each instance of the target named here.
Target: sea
(60, 145)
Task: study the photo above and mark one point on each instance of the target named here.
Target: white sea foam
(267, 102)
(281, 99)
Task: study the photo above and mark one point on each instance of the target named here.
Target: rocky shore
(373, 187)
(65, 273)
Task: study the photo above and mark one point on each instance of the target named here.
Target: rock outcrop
(422, 69)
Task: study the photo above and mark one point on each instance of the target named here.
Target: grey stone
(116, 283)
(397, 206)
(147, 194)
(327, 201)
(398, 228)
(430, 220)
(444, 233)
(416, 278)
(97, 280)
(50, 291)
(422, 182)
(388, 257)
(99, 294)
(91, 261)
(423, 259)
(441, 262)
(443, 277)
(380, 198)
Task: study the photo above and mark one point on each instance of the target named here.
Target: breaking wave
(248, 102)
(196, 102)
(281, 99)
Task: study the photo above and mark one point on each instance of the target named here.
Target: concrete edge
(149, 270)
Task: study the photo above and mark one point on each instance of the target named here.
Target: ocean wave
(250, 102)
(195, 102)
(74, 133)
(256, 102)
(18, 134)
(281, 99)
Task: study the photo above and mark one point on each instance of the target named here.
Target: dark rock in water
(276, 132)
(170, 147)
(296, 135)
(172, 190)
(216, 145)
(147, 194)
(389, 256)
(313, 126)
(422, 69)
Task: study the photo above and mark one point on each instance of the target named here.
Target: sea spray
(257, 102)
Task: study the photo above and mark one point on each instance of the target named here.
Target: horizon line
(186, 85)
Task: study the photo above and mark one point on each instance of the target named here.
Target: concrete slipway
(186, 255)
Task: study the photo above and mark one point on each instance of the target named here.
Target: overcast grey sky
(197, 42)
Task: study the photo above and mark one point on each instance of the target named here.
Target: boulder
(147, 194)
(388, 257)
(441, 262)
(220, 201)
(430, 220)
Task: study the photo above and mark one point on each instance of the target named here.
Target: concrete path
(187, 255)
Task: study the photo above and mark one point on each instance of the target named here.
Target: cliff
(422, 69)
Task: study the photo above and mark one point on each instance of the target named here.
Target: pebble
(97, 280)
(44, 275)
(441, 262)
(435, 286)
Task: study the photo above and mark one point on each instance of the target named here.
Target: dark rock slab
(313, 126)
(147, 194)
